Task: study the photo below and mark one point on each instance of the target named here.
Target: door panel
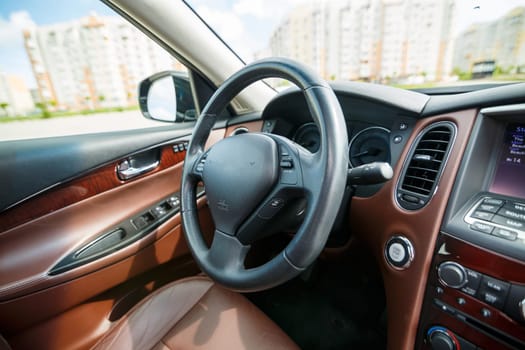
(73, 308)
(28, 252)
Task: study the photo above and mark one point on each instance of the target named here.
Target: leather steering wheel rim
(321, 176)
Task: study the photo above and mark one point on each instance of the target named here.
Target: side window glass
(79, 75)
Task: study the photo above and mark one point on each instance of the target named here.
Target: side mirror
(166, 96)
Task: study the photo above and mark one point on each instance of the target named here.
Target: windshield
(405, 43)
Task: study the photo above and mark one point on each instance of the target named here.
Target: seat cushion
(195, 313)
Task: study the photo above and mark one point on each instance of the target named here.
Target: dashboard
(448, 231)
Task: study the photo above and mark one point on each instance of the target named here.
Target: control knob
(440, 338)
(452, 274)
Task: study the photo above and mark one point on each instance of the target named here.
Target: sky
(245, 24)
(17, 15)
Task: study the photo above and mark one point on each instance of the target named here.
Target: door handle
(138, 164)
(126, 170)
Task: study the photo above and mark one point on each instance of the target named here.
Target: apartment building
(92, 62)
(501, 41)
(15, 98)
(369, 39)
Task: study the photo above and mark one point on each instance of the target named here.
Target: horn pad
(238, 174)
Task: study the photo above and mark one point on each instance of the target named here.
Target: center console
(475, 296)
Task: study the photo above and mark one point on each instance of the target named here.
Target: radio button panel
(498, 217)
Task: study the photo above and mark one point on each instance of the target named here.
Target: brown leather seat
(195, 313)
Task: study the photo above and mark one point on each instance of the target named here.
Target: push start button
(396, 252)
(399, 252)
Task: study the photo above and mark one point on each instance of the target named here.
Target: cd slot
(494, 333)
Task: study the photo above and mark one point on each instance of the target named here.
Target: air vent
(426, 161)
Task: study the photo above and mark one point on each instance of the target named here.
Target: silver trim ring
(461, 268)
(239, 131)
(409, 249)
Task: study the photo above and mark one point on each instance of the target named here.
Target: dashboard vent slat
(424, 166)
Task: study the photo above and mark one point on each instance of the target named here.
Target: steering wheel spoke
(227, 253)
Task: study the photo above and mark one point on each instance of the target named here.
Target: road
(74, 125)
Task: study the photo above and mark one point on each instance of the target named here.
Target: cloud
(265, 9)
(476, 11)
(13, 58)
(21, 19)
(245, 25)
(11, 29)
(229, 26)
(255, 8)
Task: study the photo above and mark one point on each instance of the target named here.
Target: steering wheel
(250, 177)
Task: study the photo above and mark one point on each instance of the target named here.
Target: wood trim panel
(97, 181)
(378, 218)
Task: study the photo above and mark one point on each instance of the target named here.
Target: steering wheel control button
(399, 252)
(200, 165)
(271, 208)
(452, 274)
(398, 139)
(288, 176)
(276, 203)
(286, 163)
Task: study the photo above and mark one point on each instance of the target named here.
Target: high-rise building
(369, 39)
(92, 62)
(15, 98)
(501, 41)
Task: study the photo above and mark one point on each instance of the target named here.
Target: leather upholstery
(195, 313)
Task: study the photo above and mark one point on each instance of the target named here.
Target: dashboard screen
(509, 178)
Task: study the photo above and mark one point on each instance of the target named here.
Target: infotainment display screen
(509, 178)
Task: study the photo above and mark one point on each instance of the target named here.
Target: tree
(43, 107)
(4, 106)
(461, 74)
